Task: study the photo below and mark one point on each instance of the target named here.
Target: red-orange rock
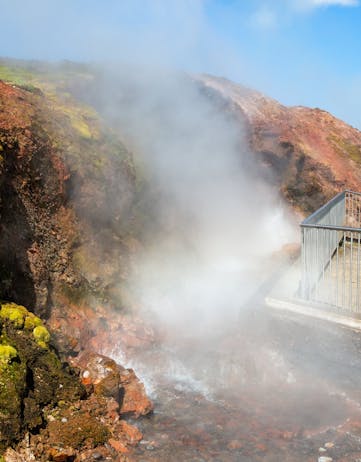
(135, 400)
(131, 433)
(61, 454)
(112, 380)
(235, 444)
(118, 446)
(102, 372)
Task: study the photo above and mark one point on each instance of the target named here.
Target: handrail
(325, 208)
(332, 227)
(321, 212)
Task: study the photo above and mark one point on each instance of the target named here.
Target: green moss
(12, 387)
(16, 75)
(42, 336)
(30, 88)
(7, 354)
(79, 430)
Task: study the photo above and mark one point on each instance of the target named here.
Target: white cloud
(311, 4)
(334, 2)
(269, 14)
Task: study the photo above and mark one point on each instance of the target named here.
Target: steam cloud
(213, 221)
(214, 218)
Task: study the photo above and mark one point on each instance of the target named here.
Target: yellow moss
(7, 354)
(78, 116)
(8, 306)
(15, 313)
(41, 336)
(32, 321)
(81, 127)
(42, 344)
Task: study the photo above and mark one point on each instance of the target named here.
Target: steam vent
(325, 281)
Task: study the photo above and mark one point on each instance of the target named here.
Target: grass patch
(344, 146)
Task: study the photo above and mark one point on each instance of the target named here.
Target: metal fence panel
(331, 241)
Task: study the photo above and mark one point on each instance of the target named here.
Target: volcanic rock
(112, 380)
(59, 174)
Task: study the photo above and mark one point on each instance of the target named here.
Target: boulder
(112, 380)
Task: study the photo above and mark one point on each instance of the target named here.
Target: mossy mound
(31, 374)
(7, 354)
(80, 431)
(19, 316)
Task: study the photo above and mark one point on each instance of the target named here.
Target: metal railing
(331, 253)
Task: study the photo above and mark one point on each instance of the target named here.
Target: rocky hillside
(67, 198)
(74, 205)
(308, 153)
(72, 213)
(67, 187)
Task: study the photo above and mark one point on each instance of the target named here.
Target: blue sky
(297, 51)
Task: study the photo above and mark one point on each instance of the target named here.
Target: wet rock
(119, 446)
(135, 400)
(100, 454)
(96, 456)
(112, 380)
(102, 372)
(129, 432)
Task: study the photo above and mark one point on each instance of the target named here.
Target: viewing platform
(326, 280)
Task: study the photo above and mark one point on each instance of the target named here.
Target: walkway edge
(287, 305)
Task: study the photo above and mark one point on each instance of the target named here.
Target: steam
(209, 221)
(214, 221)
